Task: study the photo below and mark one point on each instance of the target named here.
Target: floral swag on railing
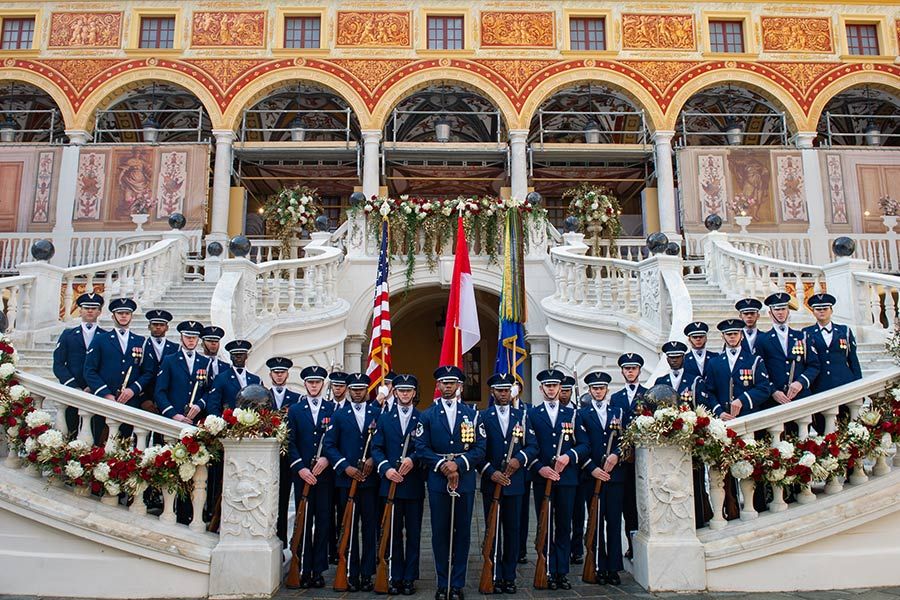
(422, 225)
(291, 211)
(785, 462)
(123, 469)
(598, 213)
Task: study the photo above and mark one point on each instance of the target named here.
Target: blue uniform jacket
(290, 398)
(838, 363)
(435, 444)
(691, 389)
(174, 383)
(620, 399)
(344, 443)
(387, 448)
(748, 382)
(576, 447)
(154, 363)
(105, 365)
(598, 437)
(224, 389)
(304, 435)
(525, 448)
(746, 345)
(690, 363)
(69, 355)
(800, 352)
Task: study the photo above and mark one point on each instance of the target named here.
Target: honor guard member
(308, 420)
(791, 362)
(348, 449)
(566, 389)
(748, 310)
(628, 400)
(211, 338)
(183, 377)
(338, 382)
(738, 383)
(697, 359)
(157, 347)
(232, 380)
(507, 429)
(519, 403)
(835, 346)
(551, 422)
(450, 445)
(385, 396)
(114, 367)
(393, 433)
(71, 350)
(600, 419)
(282, 399)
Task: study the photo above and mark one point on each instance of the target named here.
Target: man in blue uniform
(748, 310)
(450, 445)
(508, 436)
(394, 453)
(338, 382)
(567, 398)
(308, 420)
(348, 446)
(603, 423)
(696, 361)
(71, 350)
(211, 338)
(518, 402)
(385, 393)
(628, 399)
(114, 367)
(562, 444)
(791, 361)
(835, 345)
(183, 377)
(282, 399)
(156, 348)
(232, 380)
(738, 383)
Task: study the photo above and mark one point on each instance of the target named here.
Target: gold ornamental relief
(665, 32)
(517, 72)
(796, 34)
(85, 30)
(80, 72)
(211, 29)
(660, 73)
(804, 74)
(517, 29)
(371, 73)
(379, 29)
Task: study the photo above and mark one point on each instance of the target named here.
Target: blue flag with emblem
(511, 351)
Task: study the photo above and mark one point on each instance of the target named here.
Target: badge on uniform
(567, 429)
(466, 433)
(420, 429)
(201, 374)
(687, 396)
(842, 344)
(481, 430)
(746, 376)
(326, 421)
(518, 432)
(798, 350)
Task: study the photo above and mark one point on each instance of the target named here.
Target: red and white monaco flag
(461, 331)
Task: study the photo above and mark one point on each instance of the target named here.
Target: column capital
(518, 135)
(78, 137)
(805, 139)
(371, 135)
(223, 136)
(663, 136)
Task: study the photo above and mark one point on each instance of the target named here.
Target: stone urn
(139, 219)
(743, 221)
(890, 222)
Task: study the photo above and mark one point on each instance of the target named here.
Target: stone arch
(261, 87)
(49, 87)
(107, 93)
(632, 89)
(422, 79)
(860, 78)
(755, 82)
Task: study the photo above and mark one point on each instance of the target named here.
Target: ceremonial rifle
(489, 547)
(293, 577)
(387, 532)
(589, 573)
(341, 577)
(541, 567)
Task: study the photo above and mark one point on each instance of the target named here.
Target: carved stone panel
(85, 30)
(250, 489)
(665, 492)
(373, 29)
(517, 29)
(796, 34)
(658, 32)
(216, 29)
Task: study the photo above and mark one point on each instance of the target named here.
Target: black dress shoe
(353, 586)
(523, 560)
(457, 594)
(510, 588)
(601, 578)
(498, 586)
(365, 584)
(562, 582)
(629, 554)
(441, 594)
(304, 580)
(551, 583)
(576, 560)
(394, 588)
(612, 578)
(408, 588)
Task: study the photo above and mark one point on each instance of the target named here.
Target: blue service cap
(338, 377)
(90, 300)
(696, 328)
(730, 325)
(122, 305)
(748, 305)
(279, 363)
(568, 382)
(190, 328)
(675, 348)
(389, 378)
(822, 300)
(212, 333)
(598, 379)
(238, 346)
(551, 376)
(405, 382)
(313, 372)
(501, 381)
(158, 316)
(778, 300)
(357, 380)
(448, 373)
(631, 359)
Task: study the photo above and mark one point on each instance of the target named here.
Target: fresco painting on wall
(836, 189)
(713, 187)
(751, 177)
(41, 211)
(91, 183)
(133, 189)
(789, 171)
(171, 185)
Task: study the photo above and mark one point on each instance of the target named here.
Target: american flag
(380, 346)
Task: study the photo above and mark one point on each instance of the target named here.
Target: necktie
(781, 328)
(121, 332)
(356, 407)
(631, 387)
(315, 403)
(89, 326)
(190, 355)
(240, 371)
(502, 410)
(733, 351)
(404, 410)
(449, 404)
(826, 329)
(279, 390)
(551, 405)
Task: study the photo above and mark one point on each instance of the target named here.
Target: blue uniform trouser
(506, 543)
(562, 503)
(608, 537)
(361, 556)
(314, 548)
(523, 518)
(578, 521)
(440, 506)
(404, 546)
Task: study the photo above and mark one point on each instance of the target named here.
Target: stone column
(353, 353)
(518, 163)
(815, 197)
(247, 560)
(665, 182)
(221, 196)
(44, 310)
(539, 346)
(371, 162)
(668, 556)
(65, 196)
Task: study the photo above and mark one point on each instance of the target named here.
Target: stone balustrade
(879, 299)
(18, 295)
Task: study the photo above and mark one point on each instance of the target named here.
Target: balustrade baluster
(138, 505)
(84, 426)
(142, 435)
(67, 303)
(874, 305)
(777, 504)
(882, 467)
(835, 483)
(276, 291)
(858, 474)
(320, 286)
(748, 486)
(806, 495)
(292, 290)
(23, 292)
(198, 499)
(263, 306)
(578, 292)
(168, 513)
(890, 307)
(717, 498)
(799, 289)
(307, 287)
(60, 419)
(12, 306)
(112, 439)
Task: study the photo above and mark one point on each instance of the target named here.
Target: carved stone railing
(879, 300)
(15, 248)
(17, 300)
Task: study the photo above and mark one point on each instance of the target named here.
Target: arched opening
(594, 133)
(732, 115)
(153, 113)
(445, 139)
(300, 133)
(863, 115)
(28, 115)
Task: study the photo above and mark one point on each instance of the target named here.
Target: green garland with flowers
(123, 469)
(791, 460)
(431, 224)
(292, 208)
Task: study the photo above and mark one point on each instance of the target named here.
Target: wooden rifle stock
(292, 581)
(589, 573)
(341, 581)
(540, 566)
(387, 520)
(486, 584)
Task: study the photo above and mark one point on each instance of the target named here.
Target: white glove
(382, 391)
(514, 392)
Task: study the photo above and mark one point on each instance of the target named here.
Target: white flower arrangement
(858, 432)
(213, 425)
(78, 446)
(18, 392)
(38, 418)
(186, 471)
(742, 469)
(7, 370)
(246, 417)
(776, 475)
(808, 459)
(101, 472)
(112, 488)
(785, 449)
(51, 439)
(74, 470)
